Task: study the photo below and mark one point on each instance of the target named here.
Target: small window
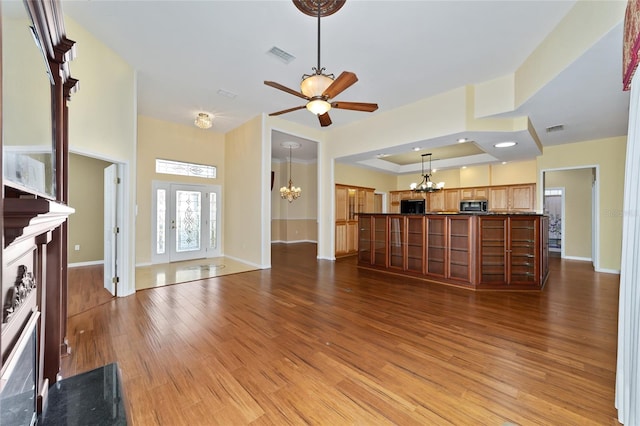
(185, 169)
(553, 192)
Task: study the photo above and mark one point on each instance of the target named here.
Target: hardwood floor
(85, 289)
(320, 342)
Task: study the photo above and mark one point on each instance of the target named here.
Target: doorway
(186, 221)
(579, 223)
(554, 208)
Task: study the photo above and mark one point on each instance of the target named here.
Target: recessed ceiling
(441, 153)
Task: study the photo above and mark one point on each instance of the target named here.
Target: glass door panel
(188, 221)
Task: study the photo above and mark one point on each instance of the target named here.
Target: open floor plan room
(319, 342)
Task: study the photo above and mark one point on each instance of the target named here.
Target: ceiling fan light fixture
(318, 106)
(315, 85)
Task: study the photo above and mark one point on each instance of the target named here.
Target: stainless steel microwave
(473, 206)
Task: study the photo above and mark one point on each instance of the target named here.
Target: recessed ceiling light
(463, 167)
(417, 148)
(504, 162)
(382, 155)
(504, 144)
(462, 140)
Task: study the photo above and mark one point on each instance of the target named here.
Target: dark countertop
(461, 213)
(91, 398)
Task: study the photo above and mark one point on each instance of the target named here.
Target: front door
(186, 222)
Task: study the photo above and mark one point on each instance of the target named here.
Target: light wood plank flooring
(320, 342)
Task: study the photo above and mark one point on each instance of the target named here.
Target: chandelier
(290, 192)
(203, 120)
(426, 185)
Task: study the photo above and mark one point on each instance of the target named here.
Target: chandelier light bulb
(290, 192)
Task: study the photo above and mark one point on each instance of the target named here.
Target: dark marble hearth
(91, 398)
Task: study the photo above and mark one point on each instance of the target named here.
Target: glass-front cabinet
(498, 251)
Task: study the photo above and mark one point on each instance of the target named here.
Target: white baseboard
(609, 271)
(91, 263)
(255, 265)
(293, 242)
(581, 259)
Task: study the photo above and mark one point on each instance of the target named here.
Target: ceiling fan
(318, 89)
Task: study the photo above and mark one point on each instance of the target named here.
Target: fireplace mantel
(26, 218)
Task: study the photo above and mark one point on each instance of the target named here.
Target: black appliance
(479, 206)
(412, 206)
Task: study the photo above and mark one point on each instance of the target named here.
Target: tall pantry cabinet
(349, 201)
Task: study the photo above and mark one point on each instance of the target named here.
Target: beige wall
(170, 141)
(102, 124)
(248, 181)
(484, 175)
(295, 221)
(609, 156)
(86, 196)
(577, 197)
(29, 92)
(360, 176)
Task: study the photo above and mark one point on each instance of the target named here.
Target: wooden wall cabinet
(446, 200)
(397, 196)
(349, 201)
(512, 198)
(502, 198)
(478, 193)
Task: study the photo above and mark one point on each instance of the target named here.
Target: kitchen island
(492, 251)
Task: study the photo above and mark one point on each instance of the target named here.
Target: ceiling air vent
(281, 54)
(556, 128)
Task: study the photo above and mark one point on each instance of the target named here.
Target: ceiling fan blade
(285, 89)
(284, 111)
(355, 106)
(325, 120)
(340, 84)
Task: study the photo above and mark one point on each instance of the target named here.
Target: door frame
(161, 184)
(125, 259)
(595, 203)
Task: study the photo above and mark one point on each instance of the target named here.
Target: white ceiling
(185, 52)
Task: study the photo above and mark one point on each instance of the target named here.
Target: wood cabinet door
(397, 242)
(352, 237)
(474, 193)
(369, 202)
(522, 198)
(341, 203)
(522, 251)
(451, 200)
(341, 239)
(499, 198)
(481, 193)
(436, 201)
(394, 204)
(468, 193)
(436, 245)
(415, 243)
(493, 251)
(459, 253)
(364, 240)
